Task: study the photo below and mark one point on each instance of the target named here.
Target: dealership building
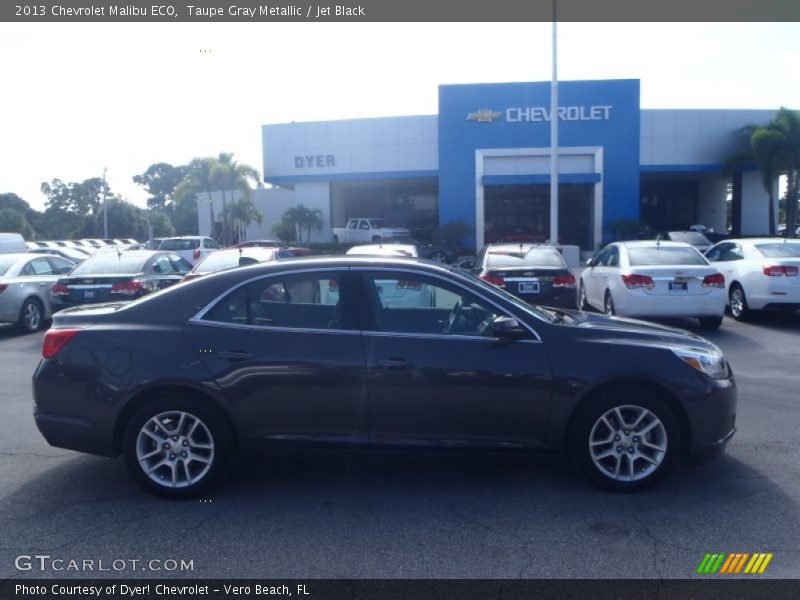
(485, 160)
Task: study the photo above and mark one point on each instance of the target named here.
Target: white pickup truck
(368, 230)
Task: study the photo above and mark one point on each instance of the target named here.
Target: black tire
(218, 430)
(739, 311)
(583, 303)
(608, 304)
(590, 414)
(31, 316)
(710, 323)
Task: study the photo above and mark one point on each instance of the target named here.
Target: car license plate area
(677, 286)
(529, 287)
(88, 294)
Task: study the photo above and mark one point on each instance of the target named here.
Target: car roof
(652, 243)
(21, 255)
(526, 246)
(762, 240)
(250, 251)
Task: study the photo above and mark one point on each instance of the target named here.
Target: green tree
(197, 180)
(242, 212)
(160, 181)
(284, 230)
(304, 220)
(13, 221)
(228, 175)
(27, 228)
(125, 220)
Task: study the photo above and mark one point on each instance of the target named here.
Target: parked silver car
(25, 281)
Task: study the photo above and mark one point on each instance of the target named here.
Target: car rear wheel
(177, 447)
(608, 304)
(583, 303)
(738, 303)
(710, 322)
(31, 316)
(625, 439)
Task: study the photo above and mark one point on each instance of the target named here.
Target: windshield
(111, 263)
(690, 237)
(642, 256)
(538, 257)
(780, 249)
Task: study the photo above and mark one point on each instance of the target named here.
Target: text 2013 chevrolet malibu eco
(319, 351)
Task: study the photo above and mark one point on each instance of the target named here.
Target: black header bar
(203, 11)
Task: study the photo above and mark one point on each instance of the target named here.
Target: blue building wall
(618, 135)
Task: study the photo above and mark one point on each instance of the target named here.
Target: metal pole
(105, 205)
(554, 138)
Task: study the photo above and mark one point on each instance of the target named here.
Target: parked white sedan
(654, 279)
(760, 273)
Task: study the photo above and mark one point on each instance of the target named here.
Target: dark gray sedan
(118, 274)
(314, 352)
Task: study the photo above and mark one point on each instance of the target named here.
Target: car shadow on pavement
(331, 506)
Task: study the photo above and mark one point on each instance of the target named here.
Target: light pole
(105, 205)
(554, 138)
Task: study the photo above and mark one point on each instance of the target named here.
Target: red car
(296, 251)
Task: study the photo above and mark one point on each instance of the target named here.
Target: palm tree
(787, 122)
(241, 213)
(303, 219)
(198, 179)
(230, 175)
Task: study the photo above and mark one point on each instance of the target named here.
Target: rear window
(780, 249)
(537, 257)
(690, 237)
(219, 261)
(111, 262)
(5, 263)
(664, 255)
(177, 244)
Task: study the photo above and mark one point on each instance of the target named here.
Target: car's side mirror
(466, 264)
(590, 262)
(509, 329)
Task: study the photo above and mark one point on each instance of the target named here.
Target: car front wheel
(625, 440)
(177, 448)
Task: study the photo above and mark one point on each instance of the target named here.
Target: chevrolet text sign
(534, 114)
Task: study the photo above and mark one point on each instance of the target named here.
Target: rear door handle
(235, 355)
(395, 363)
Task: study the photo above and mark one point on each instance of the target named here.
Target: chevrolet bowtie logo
(484, 115)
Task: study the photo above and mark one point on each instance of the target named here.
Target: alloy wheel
(628, 443)
(175, 449)
(32, 316)
(737, 302)
(609, 305)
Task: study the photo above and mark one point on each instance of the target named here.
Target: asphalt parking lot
(315, 515)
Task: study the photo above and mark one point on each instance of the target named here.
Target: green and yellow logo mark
(738, 562)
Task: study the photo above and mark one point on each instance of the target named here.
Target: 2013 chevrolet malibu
(312, 351)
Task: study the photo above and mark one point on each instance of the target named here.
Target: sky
(79, 99)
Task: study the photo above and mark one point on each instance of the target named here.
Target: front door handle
(235, 355)
(395, 363)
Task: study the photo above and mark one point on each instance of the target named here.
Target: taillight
(493, 279)
(55, 339)
(778, 270)
(59, 289)
(3, 287)
(715, 280)
(637, 281)
(409, 285)
(196, 254)
(564, 281)
(127, 288)
(333, 285)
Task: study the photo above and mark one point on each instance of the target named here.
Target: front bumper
(711, 411)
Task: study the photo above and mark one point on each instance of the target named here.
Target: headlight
(712, 363)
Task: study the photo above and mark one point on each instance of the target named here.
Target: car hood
(603, 328)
